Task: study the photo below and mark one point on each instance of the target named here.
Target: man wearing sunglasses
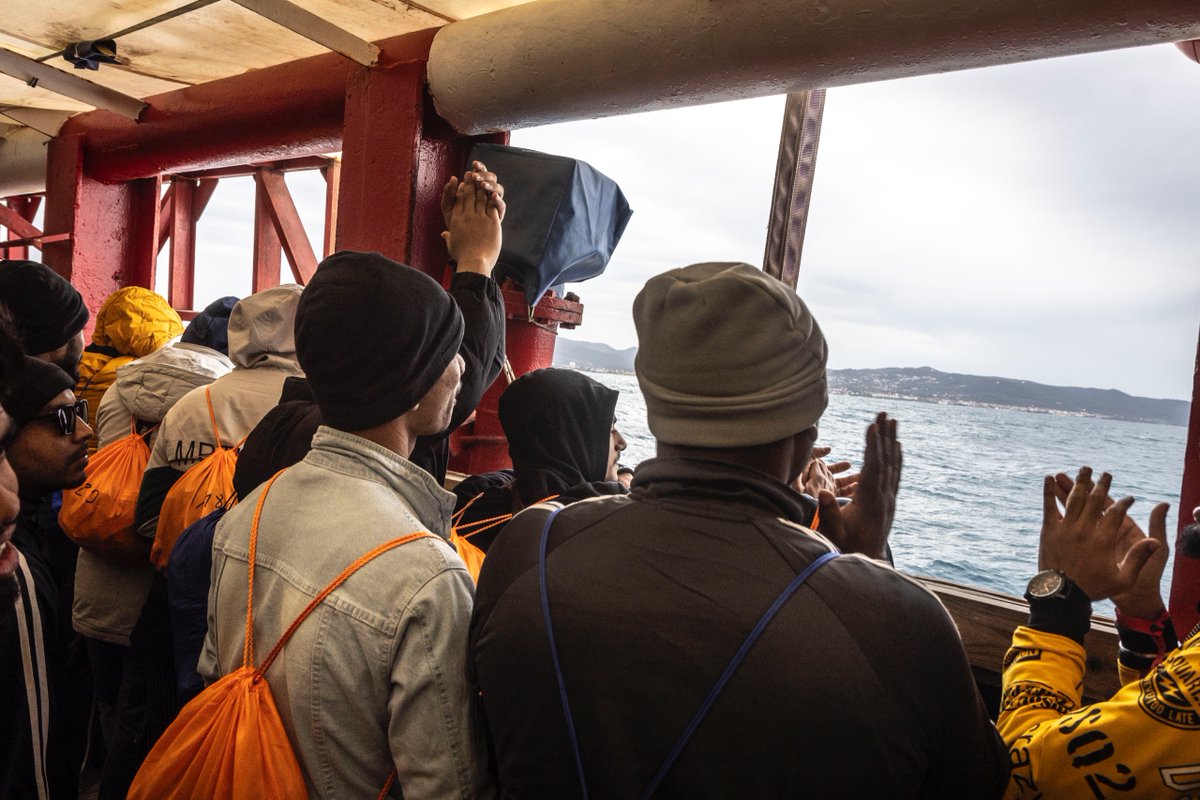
(43, 730)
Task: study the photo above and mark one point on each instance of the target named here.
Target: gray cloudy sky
(1034, 221)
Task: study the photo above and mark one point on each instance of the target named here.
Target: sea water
(970, 502)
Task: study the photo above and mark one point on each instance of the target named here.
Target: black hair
(1189, 541)
(12, 357)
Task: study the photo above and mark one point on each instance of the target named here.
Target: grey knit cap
(727, 357)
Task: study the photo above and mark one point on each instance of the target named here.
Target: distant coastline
(928, 385)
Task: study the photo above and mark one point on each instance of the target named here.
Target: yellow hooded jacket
(133, 322)
(1144, 742)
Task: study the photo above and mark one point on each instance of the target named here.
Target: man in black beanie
(379, 343)
(47, 453)
(48, 313)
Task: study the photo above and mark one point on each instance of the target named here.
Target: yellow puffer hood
(136, 322)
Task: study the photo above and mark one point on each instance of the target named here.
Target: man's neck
(776, 459)
(394, 435)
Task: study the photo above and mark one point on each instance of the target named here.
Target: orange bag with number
(98, 515)
(228, 743)
(205, 487)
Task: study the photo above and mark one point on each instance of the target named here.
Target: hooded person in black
(563, 442)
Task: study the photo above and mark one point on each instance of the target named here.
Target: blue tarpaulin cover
(564, 217)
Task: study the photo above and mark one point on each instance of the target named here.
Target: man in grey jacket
(376, 678)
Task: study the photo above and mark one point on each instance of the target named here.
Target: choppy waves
(970, 500)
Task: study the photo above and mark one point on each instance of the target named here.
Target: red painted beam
(26, 208)
(181, 291)
(166, 216)
(267, 252)
(290, 230)
(166, 210)
(204, 192)
(17, 224)
(107, 229)
(288, 110)
(1185, 577)
(13, 246)
(332, 173)
(248, 170)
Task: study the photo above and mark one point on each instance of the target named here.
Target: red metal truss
(332, 172)
(17, 216)
(182, 285)
(267, 247)
(275, 201)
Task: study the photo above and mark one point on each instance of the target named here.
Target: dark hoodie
(558, 423)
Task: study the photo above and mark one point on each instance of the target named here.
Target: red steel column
(268, 250)
(481, 446)
(1185, 578)
(182, 286)
(396, 156)
(113, 228)
(380, 153)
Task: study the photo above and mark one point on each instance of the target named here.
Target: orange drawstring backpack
(228, 743)
(471, 555)
(98, 515)
(204, 488)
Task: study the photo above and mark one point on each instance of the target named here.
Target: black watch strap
(1067, 615)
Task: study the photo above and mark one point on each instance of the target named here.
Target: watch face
(1046, 583)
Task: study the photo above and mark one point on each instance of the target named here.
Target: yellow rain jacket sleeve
(133, 322)
(1144, 742)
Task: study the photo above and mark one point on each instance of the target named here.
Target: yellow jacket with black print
(1144, 742)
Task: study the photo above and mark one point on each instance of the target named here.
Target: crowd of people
(722, 620)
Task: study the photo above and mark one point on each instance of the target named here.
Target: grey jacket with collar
(377, 675)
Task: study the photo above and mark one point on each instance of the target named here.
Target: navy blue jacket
(188, 575)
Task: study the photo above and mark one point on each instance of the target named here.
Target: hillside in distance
(592, 356)
(929, 385)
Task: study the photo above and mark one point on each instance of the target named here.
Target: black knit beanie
(44, 306)
(39, 383)
(210, 327)
(373, 336)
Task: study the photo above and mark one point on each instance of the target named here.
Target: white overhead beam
(23, 162)
(559, 60)
(43, 76)
(42, 120)
(314, 28)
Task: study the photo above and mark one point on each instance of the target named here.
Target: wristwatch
(1048, 584)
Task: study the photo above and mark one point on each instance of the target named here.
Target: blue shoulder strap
(717, 688)
(562, 686)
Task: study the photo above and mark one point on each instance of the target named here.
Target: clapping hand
(473, 209)
(818, 475)
(1094, 543)
(479, 174)
(863, 525)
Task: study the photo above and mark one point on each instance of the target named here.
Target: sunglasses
(66, 416)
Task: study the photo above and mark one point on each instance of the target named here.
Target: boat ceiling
(170, 44)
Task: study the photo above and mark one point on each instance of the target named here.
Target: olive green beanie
(727, 357)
